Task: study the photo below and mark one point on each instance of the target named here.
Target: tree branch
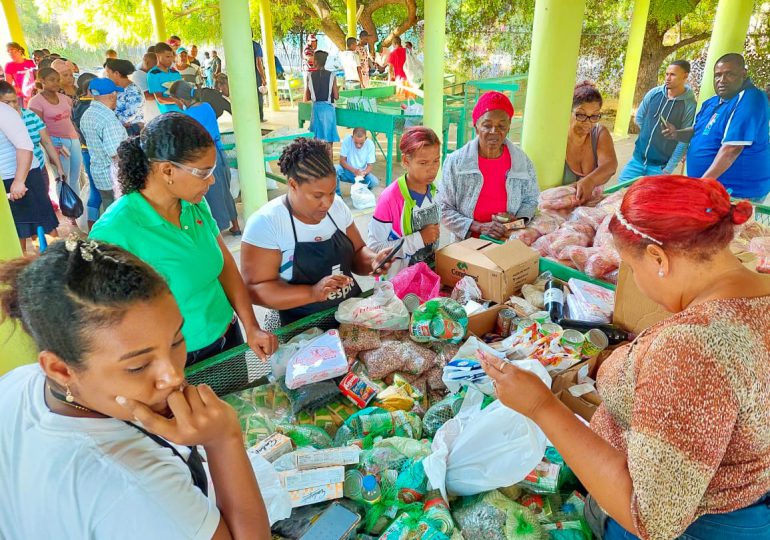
(368, 23)
(687, 41)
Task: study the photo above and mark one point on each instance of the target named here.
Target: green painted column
(16, 347)
(239, 58)
(14, 29)
(266, 20)
(158, 20)
(552, 72)
(433, 77)
(728, 36)
(631, 66)
(351, 5)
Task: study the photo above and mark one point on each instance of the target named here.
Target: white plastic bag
(481, 450)
(277, 499)
(468, 353)
(235, 183)
(320, 359)
(280, 359)
(413, 69)
(362, 196)
(383, 310)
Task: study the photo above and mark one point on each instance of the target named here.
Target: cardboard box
(566, 378)
(633, 310)
(303, 497)
(578, 405)
(485, 321)
(331, 457)
(296, 480)
(275, 446)
(499, 269)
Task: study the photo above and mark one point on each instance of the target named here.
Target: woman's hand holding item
(262, 343)
(520, 390)
(328, 285)
(381, 256)
(493, 229)
(430, 234)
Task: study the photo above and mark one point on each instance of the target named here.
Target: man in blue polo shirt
(161, 77)
(729, 140)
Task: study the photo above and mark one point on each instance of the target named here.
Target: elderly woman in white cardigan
(487, 176)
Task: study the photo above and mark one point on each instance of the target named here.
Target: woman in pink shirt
(55, 110)
(17, 68)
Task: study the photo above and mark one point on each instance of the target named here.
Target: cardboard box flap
(469, 252)
(510, 254)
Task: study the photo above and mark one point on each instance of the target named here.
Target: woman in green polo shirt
(164, 219)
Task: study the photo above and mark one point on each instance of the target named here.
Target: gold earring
(69, 397)
(169, 182)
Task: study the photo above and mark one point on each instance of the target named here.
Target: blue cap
(181, 50)
(102, 87)
(369, 482)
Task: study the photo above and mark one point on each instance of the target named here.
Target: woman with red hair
(679, 448)
(487, 176)
(407, 208)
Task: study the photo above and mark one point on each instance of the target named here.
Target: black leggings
(231, 338)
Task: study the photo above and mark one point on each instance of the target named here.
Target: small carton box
(498, 269)
(578, 405)
(303, 497)
(633, 311)
(347, 455)
(483, 322)
(295, 480)
(273, 447)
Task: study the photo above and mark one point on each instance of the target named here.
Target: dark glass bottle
(553, 300)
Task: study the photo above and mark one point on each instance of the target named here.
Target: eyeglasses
(203, 174)
(594, 118)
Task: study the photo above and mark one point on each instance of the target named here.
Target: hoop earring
(69, 397)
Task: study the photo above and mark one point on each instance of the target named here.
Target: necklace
(59, 397)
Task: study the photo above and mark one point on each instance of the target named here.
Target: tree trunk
(653, 54)
(368, 23)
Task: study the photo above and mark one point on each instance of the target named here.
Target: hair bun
(741, 212)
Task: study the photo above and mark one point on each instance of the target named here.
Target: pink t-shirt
(57, 118)
(493, 198)
(15, 72)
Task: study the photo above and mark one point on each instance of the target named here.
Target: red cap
(492, 101)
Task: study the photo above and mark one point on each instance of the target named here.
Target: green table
(272, 148)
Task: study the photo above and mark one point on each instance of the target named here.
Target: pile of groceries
(387, 426)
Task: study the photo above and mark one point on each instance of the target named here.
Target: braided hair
(73, 288)
(168, 137)
(306, 160)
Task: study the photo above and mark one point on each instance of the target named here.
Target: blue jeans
(94, 197)
(72, 163)
(750, 523)
(344, 175)
(635, 169)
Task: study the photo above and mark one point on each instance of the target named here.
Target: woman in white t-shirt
(299, 252)
(100, 437)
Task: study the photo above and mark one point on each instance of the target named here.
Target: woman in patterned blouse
(130, 108)
(680, 447)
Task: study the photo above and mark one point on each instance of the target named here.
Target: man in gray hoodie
(675, 102)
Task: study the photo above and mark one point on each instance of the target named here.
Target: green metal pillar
(266, 20)
(728, 36)
(16, 347)
(239, 56)
(14, 29)
(158, 20)
(552, 71)
(433, 85)
(351, 5)
(631, 66)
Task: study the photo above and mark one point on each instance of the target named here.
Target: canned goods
(541, 317)
(505, 320)
(572, 341)
(595, 342)
(550, 328)
(412, 302)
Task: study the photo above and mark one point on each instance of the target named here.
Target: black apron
(194, 462)
(313, 261)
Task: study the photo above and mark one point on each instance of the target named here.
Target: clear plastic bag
(441, 319)
(276, 498)
(320, 359)
(362, 196)
(381, 311)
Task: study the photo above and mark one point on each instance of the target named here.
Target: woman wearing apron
(299, 252)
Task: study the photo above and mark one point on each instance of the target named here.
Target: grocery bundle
(390, 423)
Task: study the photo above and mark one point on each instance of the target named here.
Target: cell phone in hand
(390, 256)
(334, 523)
(663, 120)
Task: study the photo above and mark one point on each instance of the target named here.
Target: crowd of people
(154, 289)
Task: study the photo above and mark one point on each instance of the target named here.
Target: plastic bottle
(370, 490)
(553, 299)
(615, 334)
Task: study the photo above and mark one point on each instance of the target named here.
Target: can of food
(505, 321)
(541, 317)
(412, 302)
(549, 329)
(595, 342)
(572, 341)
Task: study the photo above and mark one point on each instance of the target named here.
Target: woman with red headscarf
(487, 176)
(679, 448)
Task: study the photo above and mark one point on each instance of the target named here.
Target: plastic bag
(579, 255)
(383, 310)
(601, 263)
(526, 236)
(362, 196)
(356, 339)
(280, 359)
(533, 295)
(311, 397)
(567, 237)
(398, 356)
(546, 222)
(442, 319)
(276, 498)
(483, 449)
(466, 290)
(303, 436)
(320, 359)
(493, 516)
(417, 279)
(69, 203)
(592, 216)
(761, 247)
(441, 413)
(603, 237)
